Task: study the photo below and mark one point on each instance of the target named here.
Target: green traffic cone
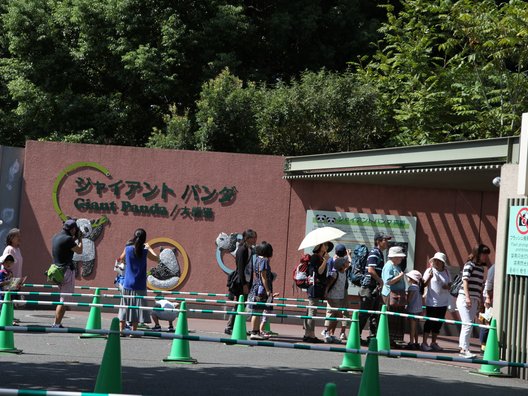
(109, 376)
(94, 319)
(352, 361)
(239, 328)
(369, 385)
(330, 389)
(492, 353)
(383, 331)
(7, 339)
(180, 351)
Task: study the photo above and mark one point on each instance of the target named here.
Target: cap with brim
(396, 251)
(439, 256)
(381, 235)
(340, 250)
(69, 224)
(5, 256)
(414, 275)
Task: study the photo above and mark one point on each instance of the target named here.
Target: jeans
(369, 301)
(466, 315)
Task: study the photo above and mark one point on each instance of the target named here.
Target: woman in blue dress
(135, 283)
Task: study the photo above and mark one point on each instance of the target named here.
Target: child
(414, 305)
(262, 288)
(335, 293)
(6, 275)
(169, 316)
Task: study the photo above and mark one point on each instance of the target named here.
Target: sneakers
(435, 347)
(156, 328)
(257, 336)
(57, 326)
(228, 331)
(170, 329)
(466, 354)
(342, 337)
(426, 348)
(413, 346)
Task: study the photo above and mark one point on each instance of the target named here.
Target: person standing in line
(261, 289)
(135, 284)
(316, 290)
(370, 296)
(393, 293)
(244, 255)
(335, 294)
(414, 306)
(488, 304)
(63, 245)
(470, 294)
(13, 240)
(437, 280)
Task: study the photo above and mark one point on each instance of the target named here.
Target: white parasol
(320, 235)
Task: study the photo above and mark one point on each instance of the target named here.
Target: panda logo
(320, 217)
(330, 220)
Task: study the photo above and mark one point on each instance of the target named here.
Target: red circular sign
(521, 221)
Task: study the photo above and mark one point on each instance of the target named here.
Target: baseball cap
(69, 224)
(340, 250)
(339, 263)
(381, 235)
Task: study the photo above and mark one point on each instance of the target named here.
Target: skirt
(130, 314)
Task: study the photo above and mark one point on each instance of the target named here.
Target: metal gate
(513, 314)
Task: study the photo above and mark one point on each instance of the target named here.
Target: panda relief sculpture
(85, 261)
(167, 273)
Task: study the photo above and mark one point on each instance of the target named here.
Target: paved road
(65, 362)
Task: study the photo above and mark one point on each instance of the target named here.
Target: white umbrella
(320, 235)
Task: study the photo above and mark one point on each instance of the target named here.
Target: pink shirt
(17, 266)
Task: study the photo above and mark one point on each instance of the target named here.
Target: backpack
(358, 265)
(300, 272)
(456, 285)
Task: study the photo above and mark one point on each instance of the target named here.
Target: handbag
(55, 274)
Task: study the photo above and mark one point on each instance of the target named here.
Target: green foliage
(177, 133)
(226, 114)
(451, 70)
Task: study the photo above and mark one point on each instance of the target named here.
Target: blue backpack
(358, 265)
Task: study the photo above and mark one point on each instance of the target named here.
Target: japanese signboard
(360, 229)
(517, 257)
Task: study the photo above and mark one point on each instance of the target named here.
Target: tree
(451, 70)
(226, 114)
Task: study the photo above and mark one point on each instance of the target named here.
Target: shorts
(67, 285)
(164, 315)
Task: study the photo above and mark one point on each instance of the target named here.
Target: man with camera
(63, 245)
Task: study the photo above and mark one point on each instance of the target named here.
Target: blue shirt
(389, 272)
(135, 269)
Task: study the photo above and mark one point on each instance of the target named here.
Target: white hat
(439, 256)
(396, 251)
(2, 259)
(414, 275)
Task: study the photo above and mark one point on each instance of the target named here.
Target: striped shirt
(474, 274)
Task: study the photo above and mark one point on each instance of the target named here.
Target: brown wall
(447, 220)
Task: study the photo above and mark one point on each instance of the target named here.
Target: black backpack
(358, 265)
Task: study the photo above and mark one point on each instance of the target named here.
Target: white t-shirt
(16, 268)
(437, 296)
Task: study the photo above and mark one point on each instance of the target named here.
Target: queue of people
(384, 282)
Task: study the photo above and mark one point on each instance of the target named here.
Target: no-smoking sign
(521, 221)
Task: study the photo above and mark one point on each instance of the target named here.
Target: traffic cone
(94, 319)
(180, 351)
(239, 328)
(267, 328)
(7, 339)
(352, 361)
(383, 331)
(109, 377)
(330, 389)
(369, 385)
(492, 353)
